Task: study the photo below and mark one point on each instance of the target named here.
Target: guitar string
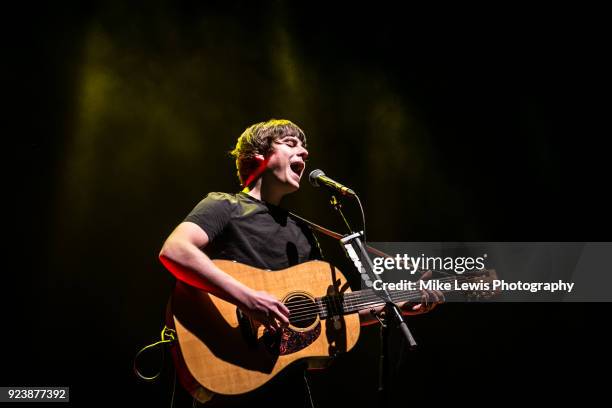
(364, 303)
(360, 293)
(361, 303)
(350, 309)
(333, 300)
(350, 302)
(333, 307)
(311, 316)
(346, 310)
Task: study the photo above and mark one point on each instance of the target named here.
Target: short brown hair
(258, 139)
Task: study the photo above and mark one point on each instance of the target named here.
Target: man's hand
(266, 309)
(429, 299)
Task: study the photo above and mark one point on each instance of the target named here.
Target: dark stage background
(471, 124)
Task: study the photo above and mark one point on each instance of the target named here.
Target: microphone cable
(363, 223)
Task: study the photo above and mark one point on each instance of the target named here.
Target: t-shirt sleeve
(212, 214)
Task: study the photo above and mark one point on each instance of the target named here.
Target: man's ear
(259, 157)
(256, 165)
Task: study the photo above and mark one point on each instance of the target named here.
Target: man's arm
(181, 254)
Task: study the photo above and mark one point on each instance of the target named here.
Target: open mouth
(297, 168)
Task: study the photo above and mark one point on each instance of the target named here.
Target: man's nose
(303, 153)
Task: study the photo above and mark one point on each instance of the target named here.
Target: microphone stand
(391, 317)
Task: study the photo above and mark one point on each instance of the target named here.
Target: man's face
(287, 162)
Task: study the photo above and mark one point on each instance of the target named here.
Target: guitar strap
(312, 226)
(317, 227)
(334, 235)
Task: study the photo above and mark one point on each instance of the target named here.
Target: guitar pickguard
(291, 341)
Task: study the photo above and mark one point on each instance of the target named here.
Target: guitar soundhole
(304, 310)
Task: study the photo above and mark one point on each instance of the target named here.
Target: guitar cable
(168, 335)
(307, 384)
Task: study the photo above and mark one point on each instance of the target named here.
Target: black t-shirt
(253, 232)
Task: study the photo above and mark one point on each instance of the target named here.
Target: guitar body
(221, 352)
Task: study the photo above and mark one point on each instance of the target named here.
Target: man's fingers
(432, 296)
(283, 319)
(426, 275)
(425, 296)
(273, 325)
(435, 296)
(283, 309)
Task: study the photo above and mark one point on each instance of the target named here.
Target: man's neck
(263, 193)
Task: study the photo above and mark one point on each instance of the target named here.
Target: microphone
(317, 176)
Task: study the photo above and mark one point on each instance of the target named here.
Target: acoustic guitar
(221, 351)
